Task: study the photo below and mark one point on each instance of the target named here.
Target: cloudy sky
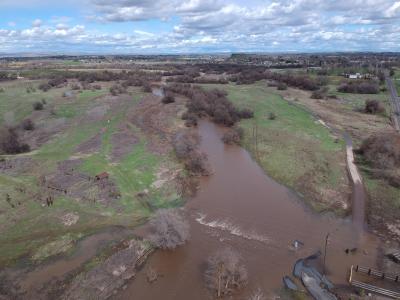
(198, 26)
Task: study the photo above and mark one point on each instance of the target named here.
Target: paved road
(395, 100)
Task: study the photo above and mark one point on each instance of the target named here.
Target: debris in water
(297, 244)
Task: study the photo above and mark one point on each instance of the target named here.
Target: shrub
(168, 98)
(75, 87)
(38, 105)
(185, 146)
(360, 87)
(169, 229)
(2, 90)
(374, 107)
(117, 89)
(317, 94)
(233, 136)
(212, 103)
(28, 124)
(190, 119)
(382, 150)
(271, 116)
(225, 272)
(281, 86)
(246, 113)
(146, 87)
(9, 142)
(44, 87)
(196, 163)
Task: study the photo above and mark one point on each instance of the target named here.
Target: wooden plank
(375, 289)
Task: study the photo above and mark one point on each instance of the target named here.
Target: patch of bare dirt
(44, 131)
(91, 145)
(158, 121)
(69, 219)
(17, 165)
(122, 142)
(97, 113)
(69, 181)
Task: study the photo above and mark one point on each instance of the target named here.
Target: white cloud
(195, 25)
(37, 23)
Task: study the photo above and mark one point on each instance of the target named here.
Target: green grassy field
(396, 78)
(294, 148)
(355, 101)
(30, 225)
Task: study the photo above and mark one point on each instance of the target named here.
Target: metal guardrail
(369, 287)
(377, 274)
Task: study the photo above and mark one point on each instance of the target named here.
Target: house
(102, 176)
(354, 76)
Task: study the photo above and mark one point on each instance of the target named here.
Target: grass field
(355, 101)
(396, 78)
(294, 148)
(29, 224)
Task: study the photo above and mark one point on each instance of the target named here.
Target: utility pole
(326, 246)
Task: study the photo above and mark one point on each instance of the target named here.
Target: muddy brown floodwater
(241, 207)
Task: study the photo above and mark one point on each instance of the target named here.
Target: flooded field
(241, 207)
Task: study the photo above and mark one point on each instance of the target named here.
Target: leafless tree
(225, 272)
(257, 295)
(170, 229)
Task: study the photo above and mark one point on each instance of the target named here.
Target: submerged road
(395, 101)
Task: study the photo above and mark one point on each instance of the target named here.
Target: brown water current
(241, 207)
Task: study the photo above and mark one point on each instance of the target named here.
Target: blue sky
(198, 26)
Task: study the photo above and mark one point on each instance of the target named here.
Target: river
(240, 206)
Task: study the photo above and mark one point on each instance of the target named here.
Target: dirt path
(358, 196)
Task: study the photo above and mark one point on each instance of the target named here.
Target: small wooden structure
(101, 176)
(369, 287)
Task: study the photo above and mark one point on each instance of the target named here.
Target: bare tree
(170, 229)
(257, 295)
(225, 272)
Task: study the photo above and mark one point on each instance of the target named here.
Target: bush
(271, 116)
(146, 87)
(382, 150)
(38, 105)
(359, 87)
(246, 113)
(190, 119)
(225, 272)
(212, 103)
(168, 98)
(281, 86)
(233, 136)
(2, 90)
(317, 95)
(117, 89)
(9, 142)
(44, 87)
(75, 87)
(185, 146)
(374, 107)
(169, 229)
(28, 124)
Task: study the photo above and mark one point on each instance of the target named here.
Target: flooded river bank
(241, 207)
